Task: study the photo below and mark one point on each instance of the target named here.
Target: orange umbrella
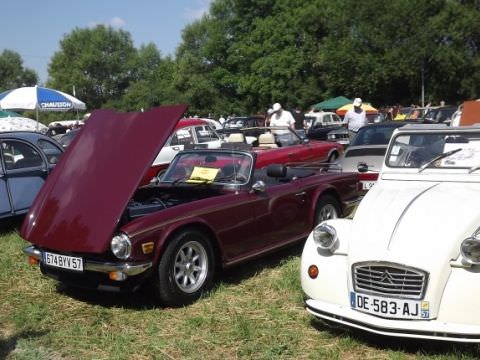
(369, 109)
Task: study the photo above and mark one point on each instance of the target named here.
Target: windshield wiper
(474, 168)
(438, 157)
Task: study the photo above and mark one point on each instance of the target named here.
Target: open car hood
(81, 203)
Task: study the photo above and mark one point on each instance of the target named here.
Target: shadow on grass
(144, 298)
(243, 271)
(10, 343)
(10, 224)
(410, 346)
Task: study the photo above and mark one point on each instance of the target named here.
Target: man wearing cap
(281, 117)
(355, 118)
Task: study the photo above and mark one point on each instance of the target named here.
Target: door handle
(176, 148)
(300, 193)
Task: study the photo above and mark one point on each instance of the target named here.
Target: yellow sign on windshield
(202, 175)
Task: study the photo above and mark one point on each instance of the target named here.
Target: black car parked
(26, 158)
(248, 125)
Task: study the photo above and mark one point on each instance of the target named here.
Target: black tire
(186, 268)
(327, 208)
(333, 156)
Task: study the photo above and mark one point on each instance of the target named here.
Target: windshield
(374, 135)
(235, 123)
(210, 167)
(435, 150)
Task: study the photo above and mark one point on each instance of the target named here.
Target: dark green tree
(12, 72)
(99, 62)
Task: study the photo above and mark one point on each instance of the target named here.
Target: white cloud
(115, 22)
(196, 11)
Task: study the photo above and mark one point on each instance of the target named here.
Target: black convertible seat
(284, 173)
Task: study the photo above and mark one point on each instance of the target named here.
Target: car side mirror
(362, 167)
(306, 140)
(258, 187)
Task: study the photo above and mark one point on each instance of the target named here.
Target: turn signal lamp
(147, 247)
(313, 271)
(117, 276)
(33, 260)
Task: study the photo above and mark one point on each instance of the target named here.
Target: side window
(182, 137)
(19, 155)
(205, 134)
(51, 151)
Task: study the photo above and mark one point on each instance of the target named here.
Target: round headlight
(325, 236)
(470, 250)
(121, 246)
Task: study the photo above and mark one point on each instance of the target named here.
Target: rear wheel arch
(327, 197)
(333, 155)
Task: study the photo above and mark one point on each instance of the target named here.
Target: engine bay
(152, 199)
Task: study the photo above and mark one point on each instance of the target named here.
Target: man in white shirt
(355, 118)
(281, 117)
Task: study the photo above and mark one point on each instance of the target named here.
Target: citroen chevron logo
(387, 278)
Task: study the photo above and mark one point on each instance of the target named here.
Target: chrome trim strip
(103, 267)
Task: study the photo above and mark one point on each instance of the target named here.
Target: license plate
(367, 185)
(63, 261)
(390, 307)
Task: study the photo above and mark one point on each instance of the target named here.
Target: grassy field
(255, 312)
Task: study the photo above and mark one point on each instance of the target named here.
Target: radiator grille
(388, 279)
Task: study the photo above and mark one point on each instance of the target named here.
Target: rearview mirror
(258, 186)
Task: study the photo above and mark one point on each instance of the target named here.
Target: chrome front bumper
(96, 266)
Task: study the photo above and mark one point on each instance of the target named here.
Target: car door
(5, 202)
(24, 174)
(281, 213)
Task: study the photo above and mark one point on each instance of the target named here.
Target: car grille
(389, 279)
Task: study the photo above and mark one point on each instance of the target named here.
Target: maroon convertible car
(92, 226)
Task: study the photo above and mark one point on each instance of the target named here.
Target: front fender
(331, 285)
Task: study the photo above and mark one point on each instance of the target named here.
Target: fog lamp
(121, 246)
(470, 250)
(117, 276)
(313, 271)
(325, 237)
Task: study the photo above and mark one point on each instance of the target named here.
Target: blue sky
(37, 26)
